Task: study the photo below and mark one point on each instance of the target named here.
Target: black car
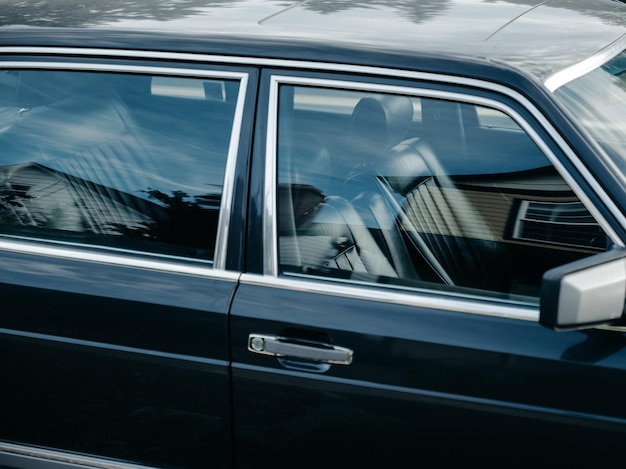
(312, 234)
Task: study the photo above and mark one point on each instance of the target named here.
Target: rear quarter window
(126, 161)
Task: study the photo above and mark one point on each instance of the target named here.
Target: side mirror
(585, 293)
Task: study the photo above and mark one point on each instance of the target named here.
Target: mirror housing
(585, 293)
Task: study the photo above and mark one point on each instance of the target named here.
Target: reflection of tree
(35, 198)
(183, 222)
(69, 13)
(422, 11)
(610, 16)
(417, 12)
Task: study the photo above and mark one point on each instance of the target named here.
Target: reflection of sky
(597, 101)
(98, 147)
(392, 23)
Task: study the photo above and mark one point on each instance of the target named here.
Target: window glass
(117, 160)
(422, 193)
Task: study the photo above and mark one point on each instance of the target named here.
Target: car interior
(378, 195)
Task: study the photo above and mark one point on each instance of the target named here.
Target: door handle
(283, 347)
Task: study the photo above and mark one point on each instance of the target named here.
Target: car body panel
(489, 387)
(119, 359)
(415, 403)
(135, 367)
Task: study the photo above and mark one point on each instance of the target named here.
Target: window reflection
(421, 192)
(116, 160)
(597, 101)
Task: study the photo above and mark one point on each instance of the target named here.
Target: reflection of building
(37, 196)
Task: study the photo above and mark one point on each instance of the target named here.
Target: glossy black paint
(488, 390)
(151, 367)
(114, 361)
(254, 227)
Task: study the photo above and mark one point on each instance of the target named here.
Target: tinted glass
(117, 160)
(421, 193)
(596, 101)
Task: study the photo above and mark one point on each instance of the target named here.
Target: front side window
(422, 193)
(124, 161)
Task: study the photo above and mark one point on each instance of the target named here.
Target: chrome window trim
(25, 453)
(221, 241)
(444, 300)
(270, 235)
(558, 79)
(220, 253)
(397, 295)
(103, 255)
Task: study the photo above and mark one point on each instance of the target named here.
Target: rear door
(117, 183)
(393, 314)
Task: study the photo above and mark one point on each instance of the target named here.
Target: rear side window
(126, 161)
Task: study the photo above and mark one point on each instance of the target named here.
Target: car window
(421, 192)
(123, 161)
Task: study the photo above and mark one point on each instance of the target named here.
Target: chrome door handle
(299, 349)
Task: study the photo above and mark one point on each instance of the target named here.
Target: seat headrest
(378, 123)
(406, 165)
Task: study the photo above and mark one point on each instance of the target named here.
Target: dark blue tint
(118, 160)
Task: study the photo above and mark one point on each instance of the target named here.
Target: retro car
(304, 234)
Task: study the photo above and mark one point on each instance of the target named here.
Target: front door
(394, 322)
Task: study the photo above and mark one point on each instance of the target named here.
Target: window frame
(146, 259)
(523, 112)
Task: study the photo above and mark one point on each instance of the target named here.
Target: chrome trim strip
(397, 295)
(270, 235)
(97, 67)
(244, 61)
(569, 74)
(63, 458)
(222, 59)
(114, 348)
(226, 203)
(100, 256)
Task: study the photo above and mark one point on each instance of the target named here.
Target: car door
(118, 179)
(393, 315)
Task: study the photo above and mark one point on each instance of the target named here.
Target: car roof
(539, 38)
